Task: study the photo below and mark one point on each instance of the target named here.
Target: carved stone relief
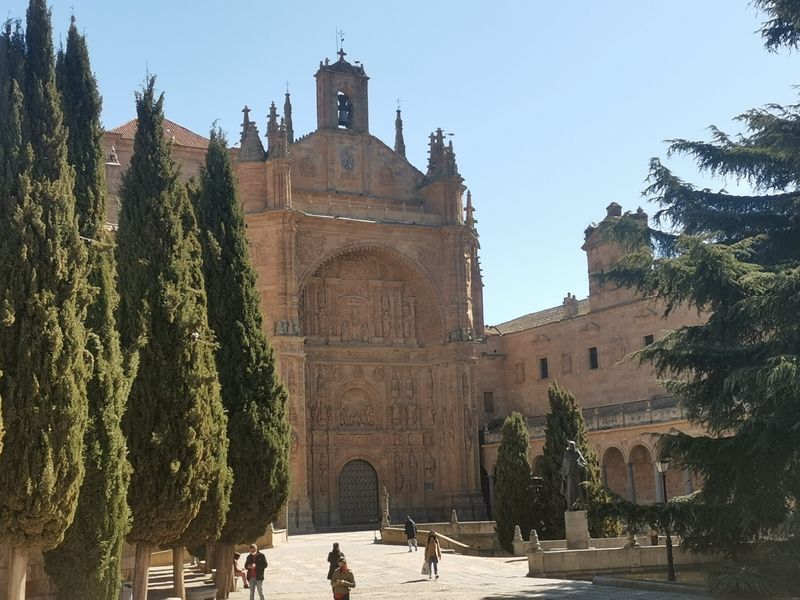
(398, 472)
(309, 247)
(306, 167)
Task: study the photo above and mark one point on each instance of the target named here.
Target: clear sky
(555, 107)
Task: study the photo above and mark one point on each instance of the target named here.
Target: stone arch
(615, 476)
(358, 493)
(537, 467)
(362, 294)
(644, 477)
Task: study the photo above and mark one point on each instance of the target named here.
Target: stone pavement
(297, 571)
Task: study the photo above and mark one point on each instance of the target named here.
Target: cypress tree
(87, 563)
(42, 338)
(513, 483)
(12, 60)
(564, 424)
(175, 395)
(251, 392)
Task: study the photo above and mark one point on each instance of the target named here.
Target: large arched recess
(370, 295)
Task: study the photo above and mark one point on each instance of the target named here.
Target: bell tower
(342, 96)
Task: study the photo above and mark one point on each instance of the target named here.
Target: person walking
(333, 559)
(342, 580)
(411, 533)
(433, 554)
(255, 564)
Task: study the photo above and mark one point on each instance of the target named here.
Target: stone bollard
(518, 544)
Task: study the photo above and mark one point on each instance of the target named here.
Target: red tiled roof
(537, 319)
(180, 136)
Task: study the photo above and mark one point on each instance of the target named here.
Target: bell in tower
(342, 96)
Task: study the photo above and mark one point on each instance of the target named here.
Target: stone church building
(372, 295)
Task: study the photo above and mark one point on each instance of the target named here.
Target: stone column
(631, 484)
(659, 486)
(687, 482)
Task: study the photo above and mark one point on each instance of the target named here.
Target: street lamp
(662, 466)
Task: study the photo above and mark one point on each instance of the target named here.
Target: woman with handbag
(342, 581)
(433, 554)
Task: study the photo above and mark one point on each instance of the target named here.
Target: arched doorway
(358, 493)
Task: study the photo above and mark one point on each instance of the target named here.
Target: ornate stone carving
(306, 167)
(398, 472)
(520, 372)
(323, 472)
(309, 247)
(430, 466)
(259, 254)
(287, 327)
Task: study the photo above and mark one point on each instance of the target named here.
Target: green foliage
(564, 424)
(513, 487)
(741, 582)
(173, 410)
(736, 258)
(87, 563)
(783, 26)
(251, 392)
(43, 298)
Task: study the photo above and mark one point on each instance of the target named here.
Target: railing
(661, 409)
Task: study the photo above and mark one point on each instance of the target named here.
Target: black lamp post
(662, 466)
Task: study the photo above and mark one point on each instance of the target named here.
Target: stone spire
(469, 219)
(287, 114)
(441, 158)
(282, 147)
(250, 147)
(399, 143)
(272, 131)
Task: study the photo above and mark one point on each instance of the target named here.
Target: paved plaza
(297, 571)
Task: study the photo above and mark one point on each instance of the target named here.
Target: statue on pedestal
(573, 475)
(385, 507)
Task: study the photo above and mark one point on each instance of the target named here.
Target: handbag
(426, 568)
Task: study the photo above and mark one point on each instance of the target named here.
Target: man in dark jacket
(411, 533)
(255, 565)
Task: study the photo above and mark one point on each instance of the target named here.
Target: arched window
(345, 110)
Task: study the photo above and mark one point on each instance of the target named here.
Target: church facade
(371, 291)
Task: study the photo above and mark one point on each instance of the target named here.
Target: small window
(593, 362)
(543, 372)
(648, 339)
(488, 402)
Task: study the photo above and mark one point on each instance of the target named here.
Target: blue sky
(556, 107)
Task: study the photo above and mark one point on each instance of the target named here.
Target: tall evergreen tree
(87, 563)
(735, 257)
(12, 77)
(175, 394)
(253, 396)
(43, 296)
(513, 483)
(564, 424)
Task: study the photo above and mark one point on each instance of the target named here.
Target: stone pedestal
(577, 528)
